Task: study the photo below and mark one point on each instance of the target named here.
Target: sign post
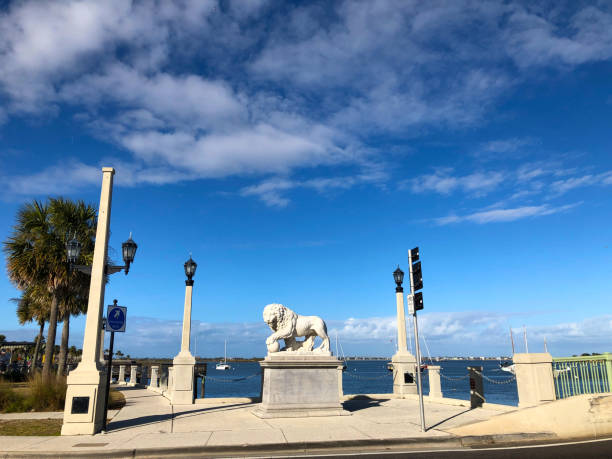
(415, 303)
(115, 322)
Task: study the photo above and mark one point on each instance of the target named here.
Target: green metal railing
(582, 375)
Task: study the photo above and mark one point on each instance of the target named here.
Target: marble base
(404, 363)
(181, 380)
(300, 385)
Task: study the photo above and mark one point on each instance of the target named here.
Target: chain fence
(228, 380)
(485, 377)
(494, 381)
(460, 378)
(367, 378)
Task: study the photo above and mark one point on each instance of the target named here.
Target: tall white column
(84, 409)
(403, 361)
(184, 363)
(401, 322)
(186, 336)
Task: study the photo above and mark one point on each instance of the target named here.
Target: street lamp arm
(81, 268)
(108, 269)
(112, 269)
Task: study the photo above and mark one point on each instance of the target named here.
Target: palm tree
(33, 306)
(80, 219)
(36, 253)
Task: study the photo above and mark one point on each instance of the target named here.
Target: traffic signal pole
(416, 342)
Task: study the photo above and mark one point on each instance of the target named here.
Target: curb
(412, 443)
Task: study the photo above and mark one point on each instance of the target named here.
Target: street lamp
(128, 249)
(184, 362)
(398, 276)
(190, 269)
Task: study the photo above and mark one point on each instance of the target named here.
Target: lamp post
(84, 408)
(184, 362)
(402, 361)
(73, 252)
(398, 276)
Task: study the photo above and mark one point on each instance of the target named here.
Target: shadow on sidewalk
(448, 419)
(362, 402)
(115, 426)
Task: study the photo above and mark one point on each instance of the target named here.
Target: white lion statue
(288, 325)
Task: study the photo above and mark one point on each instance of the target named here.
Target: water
(368, 377)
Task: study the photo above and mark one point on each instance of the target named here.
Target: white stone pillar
(435, 388)
(403, 362)
(180, 384)
(102, 361)
(121, 378)
(401, 321)
(154, 373)
(534, 378)
(84, 408)
(133, 371)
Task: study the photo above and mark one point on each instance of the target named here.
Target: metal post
(109, 370)
(417, 348)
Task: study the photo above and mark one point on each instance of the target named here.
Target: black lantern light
(398, 276)
(190, 269)
(128, 248)
(73, 250)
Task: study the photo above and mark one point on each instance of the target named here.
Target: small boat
(506, 366)
(223, 365)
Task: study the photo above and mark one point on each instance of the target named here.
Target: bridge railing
(582, 375)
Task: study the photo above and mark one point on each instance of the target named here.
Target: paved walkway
(148, 425)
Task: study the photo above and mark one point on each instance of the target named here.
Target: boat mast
(512, 340)
(525, 337)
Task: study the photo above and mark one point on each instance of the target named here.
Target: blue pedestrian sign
(115, 318)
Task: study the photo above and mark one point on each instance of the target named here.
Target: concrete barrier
(583, 416)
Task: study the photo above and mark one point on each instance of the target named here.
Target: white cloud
(444, 183)
(442, 333)
(565, 185)
(271, 191)
(504, 215)
(211, 91)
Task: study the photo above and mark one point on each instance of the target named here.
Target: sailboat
(338, 355)
(223, 365)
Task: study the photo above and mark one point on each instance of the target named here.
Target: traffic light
(414, 254)
(417, 276)
(418, 301)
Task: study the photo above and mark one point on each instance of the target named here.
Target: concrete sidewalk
(149, 426)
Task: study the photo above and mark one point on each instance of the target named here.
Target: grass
(36, 395)
(31, 427)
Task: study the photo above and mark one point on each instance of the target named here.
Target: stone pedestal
(300, 385)
(154, 373)
(404, 376)
(121, 378)
(534, 378)
(435, 388)
(181, 380)
(133, 372)
(84, 398)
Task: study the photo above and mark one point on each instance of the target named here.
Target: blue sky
(298, 150)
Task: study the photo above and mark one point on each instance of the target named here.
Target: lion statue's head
(277, 316)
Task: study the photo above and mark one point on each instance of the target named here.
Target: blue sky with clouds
(299, 149)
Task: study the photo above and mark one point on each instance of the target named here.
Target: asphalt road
(578, 450)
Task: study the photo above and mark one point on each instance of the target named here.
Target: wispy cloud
(272, 191)
(443, 182)
(505, 215)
